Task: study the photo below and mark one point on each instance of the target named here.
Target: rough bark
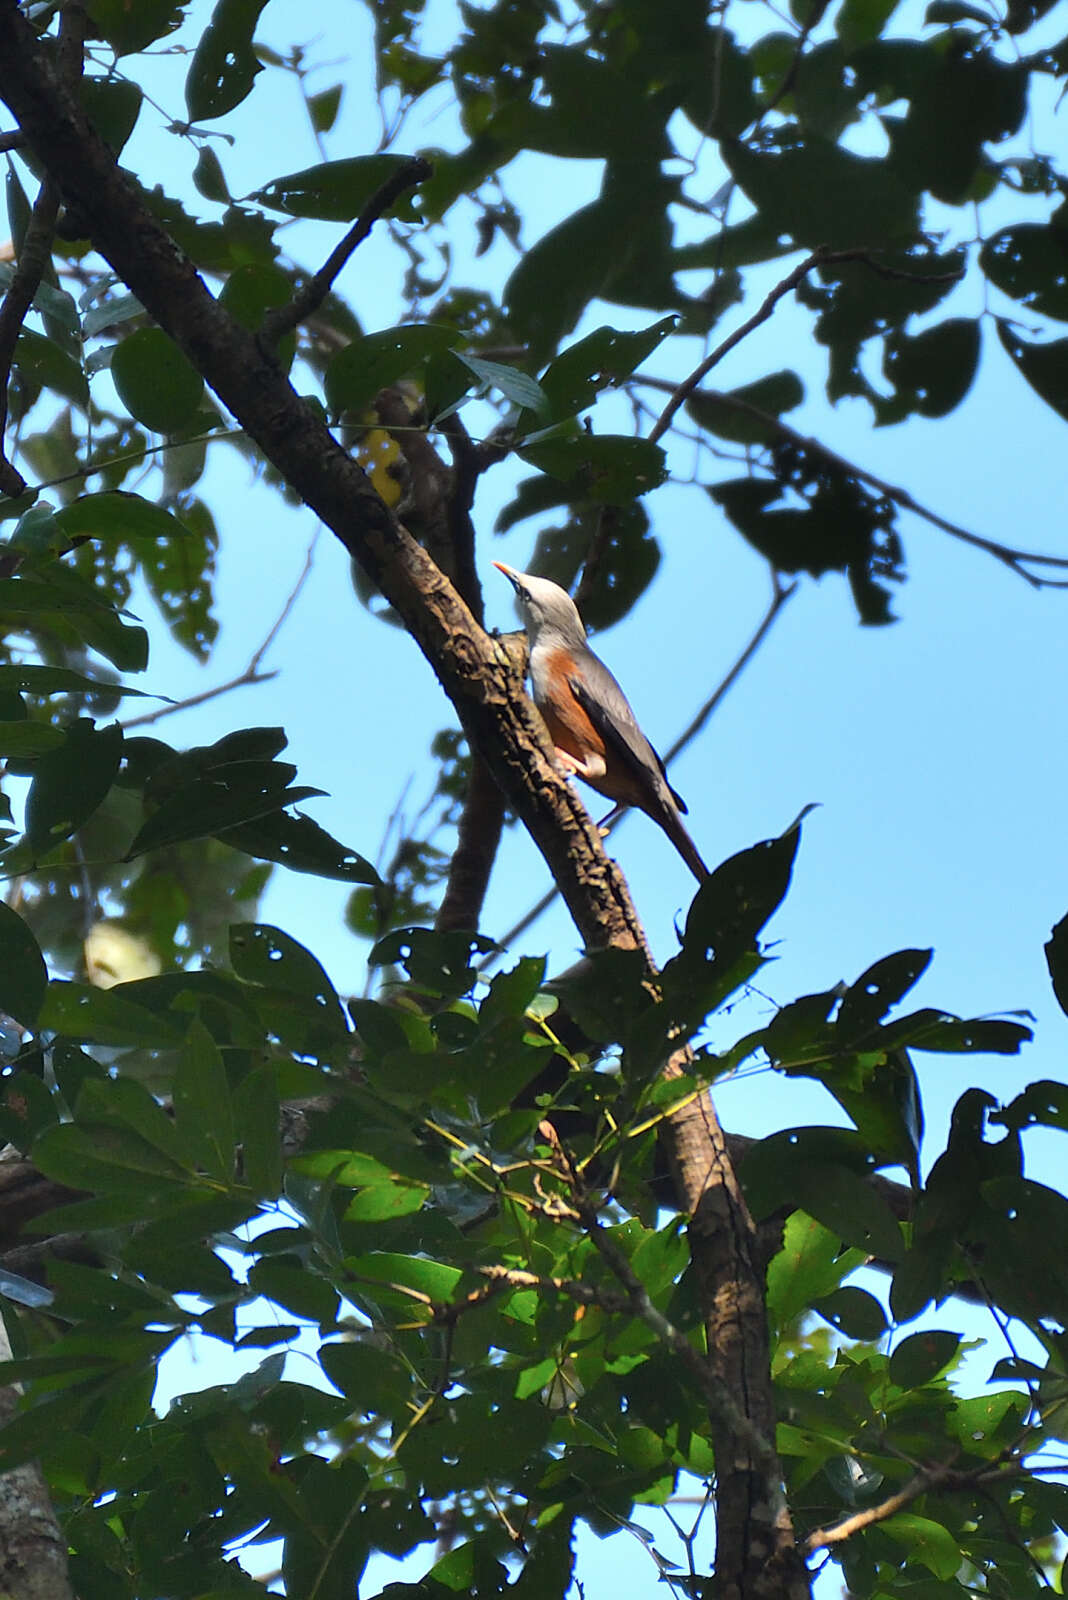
(33, 1551)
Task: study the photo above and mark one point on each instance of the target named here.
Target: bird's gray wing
(608, 708)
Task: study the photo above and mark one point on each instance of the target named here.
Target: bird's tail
(671, 823)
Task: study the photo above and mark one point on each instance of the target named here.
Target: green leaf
(384, 1200)
(922, 1356)
(27, 739)
(437, 961)
(202, 1109)
(843, 1202)
(301, 845)
(934, 371)
(113, 1160)
(928, 1543)
(739, 897)
(220, 799)
(209, 178)
(1057, 961)
(857, 21)
(1044, 1103)
(877, 990)
(810, 1266)
(107, 1017)
(67, 602)
(611, 469)
(323, 108)
(155, 381)
(433, 1279)
(726, 415)
(336, 191)
(125, 1103)
(572, 382)
(362, 368)
(112, 105)
(42, 364)
(111, 313)
(57, 680)
(118, 516)
(1030, 263)
(1045, 366)
(265, 955)
(23, 975)
(129, 29)
(256, 1128)
(518, 387)
(250, 292)
(853, 1312)
(373, 1379)
(224, 65)
(70, 783)
(820, 194)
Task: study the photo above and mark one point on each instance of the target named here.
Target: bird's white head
(545, 610)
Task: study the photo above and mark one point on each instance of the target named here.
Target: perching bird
(590, 722)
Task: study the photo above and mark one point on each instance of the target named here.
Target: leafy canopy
(389, 1173)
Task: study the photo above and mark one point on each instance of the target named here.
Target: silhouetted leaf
(300, 844)
(922, 1356)
(23, 975)
(612, 469)
(1030, 262)
(362, 368)
(853, 1312)
(336, 191)
(224, 65)
(934, 370)
(130, 28)
(877, 990)
(820, 194)
(69, 784)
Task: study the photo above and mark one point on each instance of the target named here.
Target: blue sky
(935, 747)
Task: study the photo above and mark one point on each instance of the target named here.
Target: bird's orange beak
(510, 573)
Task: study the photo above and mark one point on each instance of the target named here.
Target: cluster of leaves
(414, 1237)
(408, 1221)
(637, 87)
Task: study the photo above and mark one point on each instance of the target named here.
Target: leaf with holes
(224, 66)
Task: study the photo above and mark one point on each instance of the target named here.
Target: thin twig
(251, 674)
(310, 296)
(778, 600)
(12, 141)
(789, 77)
(944, 1476)
(1017, 560)
(821, 257)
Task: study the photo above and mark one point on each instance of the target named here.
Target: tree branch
(30, 266)
(310, 296)
(251, 674)
(35, 251)
(1016, 560)
(821, 257)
